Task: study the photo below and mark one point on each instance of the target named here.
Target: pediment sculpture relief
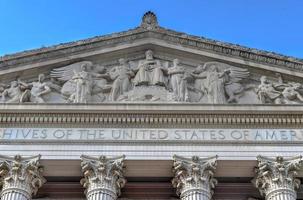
(151, 80)
(82, 81)
(280, 92)
(219, 82)
(19, 91)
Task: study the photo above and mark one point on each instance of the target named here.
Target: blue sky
(273, 25)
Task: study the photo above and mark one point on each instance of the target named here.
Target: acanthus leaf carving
(20, 176)
(276, 177)
(102, 176)
(194, 176)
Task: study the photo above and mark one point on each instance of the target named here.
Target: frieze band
(151, 135)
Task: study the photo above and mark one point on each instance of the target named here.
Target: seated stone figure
(14, 93)
(149, 71)
(27, 92)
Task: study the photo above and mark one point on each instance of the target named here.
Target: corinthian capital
(194, 176)
(20, 176)
(102, 176)
(277, 176)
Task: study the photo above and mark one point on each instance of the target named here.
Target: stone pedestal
(193, 178)
(276, 178)
(103, 177)
(20, 177)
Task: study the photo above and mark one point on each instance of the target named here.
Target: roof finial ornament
(149, 20)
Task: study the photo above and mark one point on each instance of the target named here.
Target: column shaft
(282, 194)
(14, 196)
(100, 195)
(196, 195)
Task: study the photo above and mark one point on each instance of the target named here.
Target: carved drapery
(276, 178)
(154, 79)
(20, 177)
(194, 178)
(103, 177)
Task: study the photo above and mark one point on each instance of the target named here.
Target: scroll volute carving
(23, 172)
(103, 173)
(277, 173)
(194, 173)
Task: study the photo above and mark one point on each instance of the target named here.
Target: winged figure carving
(220, 82)
(81, 81)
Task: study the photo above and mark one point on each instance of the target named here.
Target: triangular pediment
(207, 71)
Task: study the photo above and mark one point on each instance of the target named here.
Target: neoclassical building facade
(150, 113)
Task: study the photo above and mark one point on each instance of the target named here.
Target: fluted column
(194, 177)
(103, 177)
(20, 177)
(276, 178)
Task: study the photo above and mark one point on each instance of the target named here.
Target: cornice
(152, 115)
(200, 43)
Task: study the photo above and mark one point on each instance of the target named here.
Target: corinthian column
(20, 177)
(194, 178)
(103, 177)
(276, 178)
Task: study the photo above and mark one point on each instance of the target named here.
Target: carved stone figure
(121, 75)
(2, 87)
(279, 93)
(267, 92)
(178, 81)
(222, 82)
(194, 178)
(79, 83)
(20, 177)
(15, 93)
(276, 178)
(291, 93)
(38, 89)
(103, 177)
(151, 80)
(20, 91)
(149, 71)
(83, 83)
(199, 75)
(215, 84)
(54, 84)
